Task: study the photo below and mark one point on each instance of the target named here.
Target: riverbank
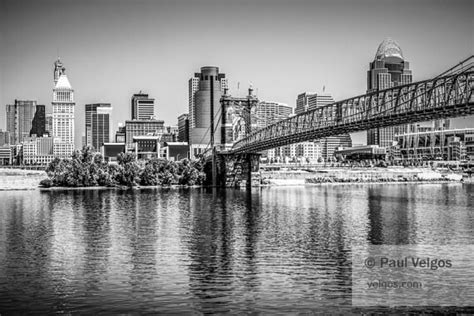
(18, 179)
(11, 179)
(120, 187)
(360, 175)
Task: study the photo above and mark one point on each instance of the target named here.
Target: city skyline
(154, 51)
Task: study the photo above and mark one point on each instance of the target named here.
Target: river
(275, 250)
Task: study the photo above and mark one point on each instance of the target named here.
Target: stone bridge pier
(235, 170)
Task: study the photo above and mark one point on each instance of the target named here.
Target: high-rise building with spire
(63, 112)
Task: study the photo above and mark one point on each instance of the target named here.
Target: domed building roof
(389, 48)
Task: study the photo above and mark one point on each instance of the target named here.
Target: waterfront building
(63, 112)
(330, 144)
(304, 152)
(359, 153)
(19, 119)
(38, 150)
(183, 128)
(143, 107)
(38, 125)
(4, 138)
(205, 88)
(147, 146)
(110, 151)
(6, 155)
(142, 128)
(452, 144)
(97, 124)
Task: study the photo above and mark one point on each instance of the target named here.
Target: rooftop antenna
(324, 88)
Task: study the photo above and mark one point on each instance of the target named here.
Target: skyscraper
(211, 85)
(183, 128)
(193, 87)
(4, 138)
(308, 101)
(49, 124)
(19, 119)
(38, 125)
(389, 69)
(268, 113)
(143, 107)
(63, 112)
(97, 124)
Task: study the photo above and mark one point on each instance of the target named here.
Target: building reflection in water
(389, 209)
(212, 251)
(95, 206)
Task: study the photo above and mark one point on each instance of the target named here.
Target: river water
(275, 250)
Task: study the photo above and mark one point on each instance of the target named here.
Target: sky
(114, 48)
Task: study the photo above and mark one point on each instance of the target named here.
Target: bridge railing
(375, 109)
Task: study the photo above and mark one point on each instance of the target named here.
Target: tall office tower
(143, 107)
(49, 124)
(63, 113)
(308, 101)
(389, 69)
(194, 87)
(268, 113)
(97, 124)
(183, 128)
(210, 89)
(38, 126)
(19, 119)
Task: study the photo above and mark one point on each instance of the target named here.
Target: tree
(130, 175)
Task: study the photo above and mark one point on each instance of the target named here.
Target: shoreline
(180, 187)
(27, 180)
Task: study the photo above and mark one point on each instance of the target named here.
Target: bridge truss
(448, 95)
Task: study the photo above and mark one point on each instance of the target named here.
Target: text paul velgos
(408, 262)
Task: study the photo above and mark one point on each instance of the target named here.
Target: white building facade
(63, 114)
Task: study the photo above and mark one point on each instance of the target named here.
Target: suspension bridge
(448, 95)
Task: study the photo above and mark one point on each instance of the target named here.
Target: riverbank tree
(86, 168)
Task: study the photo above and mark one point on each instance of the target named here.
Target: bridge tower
(237, 122)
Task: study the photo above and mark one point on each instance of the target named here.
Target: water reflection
(212, 251)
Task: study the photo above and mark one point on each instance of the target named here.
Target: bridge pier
(235, 170)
